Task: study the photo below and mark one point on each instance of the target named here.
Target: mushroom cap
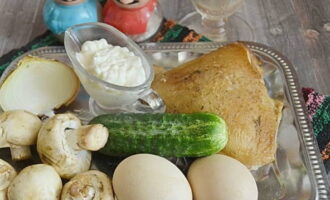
(36, 182)
(7, 174)
(20, 127)
(90, 185)
(54, 148)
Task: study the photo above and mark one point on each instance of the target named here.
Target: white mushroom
(90, 185)
(7, 174)
(65, 144)
(36, 182)
(19, 130)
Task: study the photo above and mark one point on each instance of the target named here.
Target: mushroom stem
(64, 144)
(79, 190)
(89, 137)
(3, 139)
(18, 130)
(88, 185)
(20, 152)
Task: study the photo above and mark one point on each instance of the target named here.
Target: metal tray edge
(312, 160)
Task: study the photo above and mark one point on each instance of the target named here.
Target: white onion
(39, 85)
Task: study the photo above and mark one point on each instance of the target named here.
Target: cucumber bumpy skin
(178, 135)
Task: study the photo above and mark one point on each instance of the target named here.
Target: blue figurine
(61, 14)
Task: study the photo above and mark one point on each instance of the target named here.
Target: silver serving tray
(297, 172)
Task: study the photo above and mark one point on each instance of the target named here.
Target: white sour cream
(113, 64)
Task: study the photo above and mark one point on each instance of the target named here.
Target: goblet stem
(214, 25)
(215, 29)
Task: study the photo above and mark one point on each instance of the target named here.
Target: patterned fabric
(169, 32)
(172, 32)
(318, 108)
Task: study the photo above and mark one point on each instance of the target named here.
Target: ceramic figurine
(139, 19)
(61, 14)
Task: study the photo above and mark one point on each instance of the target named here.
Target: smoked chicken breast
(228, 82)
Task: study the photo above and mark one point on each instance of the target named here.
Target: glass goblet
(215, 20)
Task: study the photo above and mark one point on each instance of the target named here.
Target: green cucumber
(179, 135)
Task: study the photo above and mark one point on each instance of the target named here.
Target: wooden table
(300, 29)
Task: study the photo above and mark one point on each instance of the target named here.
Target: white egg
(219, 177)
(150, 177)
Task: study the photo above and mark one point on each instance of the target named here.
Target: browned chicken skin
(227, 82)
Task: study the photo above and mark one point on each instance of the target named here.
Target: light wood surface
(300, 29)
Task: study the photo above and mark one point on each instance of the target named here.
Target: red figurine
(129, 16)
